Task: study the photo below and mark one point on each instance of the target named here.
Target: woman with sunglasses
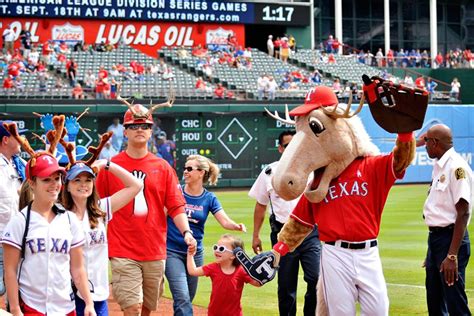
(198, 171)
(43, 248)
(80, 196)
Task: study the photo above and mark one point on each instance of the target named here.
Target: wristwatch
(452, 257)
(188, 231)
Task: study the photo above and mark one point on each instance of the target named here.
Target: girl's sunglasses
(221, 248)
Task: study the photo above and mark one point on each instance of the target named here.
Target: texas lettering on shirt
(96, 237)
(348, 188)
(190, 209)
(58, 245)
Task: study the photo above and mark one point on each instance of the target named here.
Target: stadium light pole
(433, 31)
(386, 15)
(311, 23)
(338, 21)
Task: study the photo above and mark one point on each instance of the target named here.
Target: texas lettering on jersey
(348, 188)
(190, 209)
(96, 237)
(58, 245)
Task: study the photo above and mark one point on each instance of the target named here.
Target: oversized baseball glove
(260, 268)
(395, 107)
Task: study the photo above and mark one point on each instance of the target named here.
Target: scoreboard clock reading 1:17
(281, 14)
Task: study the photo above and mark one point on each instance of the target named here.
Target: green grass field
(402, 244)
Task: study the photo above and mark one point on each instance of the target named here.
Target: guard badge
(460, 173)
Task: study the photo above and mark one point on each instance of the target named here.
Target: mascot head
(328, 138)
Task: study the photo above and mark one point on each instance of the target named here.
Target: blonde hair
(206, 164)
(236, 242)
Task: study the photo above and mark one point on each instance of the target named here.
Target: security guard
(447, 212)
(308, 253)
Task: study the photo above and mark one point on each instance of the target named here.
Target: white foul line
(417, 286)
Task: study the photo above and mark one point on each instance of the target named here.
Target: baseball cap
(45, 166)
(77, 169)
(4, 132)
(317, 97)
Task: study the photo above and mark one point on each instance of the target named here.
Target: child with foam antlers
(80, 196)
(43, 242)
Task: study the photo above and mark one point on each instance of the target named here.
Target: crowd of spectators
(416, 58)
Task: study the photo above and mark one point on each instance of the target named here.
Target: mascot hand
(396, 108)
(47, 122)
(262, 268)
(72, 127)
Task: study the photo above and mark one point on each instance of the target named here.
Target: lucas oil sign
(144, 36)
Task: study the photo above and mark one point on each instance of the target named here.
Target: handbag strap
(25, 233)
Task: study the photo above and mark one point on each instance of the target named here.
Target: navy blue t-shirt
(197, 209)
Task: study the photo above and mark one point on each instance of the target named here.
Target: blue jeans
(183, 286)
(100, 307)
(308, 254)
(2, 281)
(441, 298)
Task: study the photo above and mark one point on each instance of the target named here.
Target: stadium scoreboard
(198, 11)
(241, 145)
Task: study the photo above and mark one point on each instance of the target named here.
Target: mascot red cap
(317, 97)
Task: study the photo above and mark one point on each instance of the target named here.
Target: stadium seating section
(243, 82)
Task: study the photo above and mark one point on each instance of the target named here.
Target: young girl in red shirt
(227, 276)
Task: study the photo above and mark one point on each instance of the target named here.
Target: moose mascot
(347, 196)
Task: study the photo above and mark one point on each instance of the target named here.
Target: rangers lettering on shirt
(347, 188)
(58, 245)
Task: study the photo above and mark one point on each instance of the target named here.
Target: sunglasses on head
(221, 248)
(189, 169)
(135, 127)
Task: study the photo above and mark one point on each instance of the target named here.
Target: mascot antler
(95, 151)
(138, 115)
(54, 136)
(25, 144)
(346, 113)
(286, 120)
(69, 148)
(167, 104)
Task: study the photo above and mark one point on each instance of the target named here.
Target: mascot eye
(316, 126)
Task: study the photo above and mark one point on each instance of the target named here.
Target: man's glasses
(189, 169)
(135, 127)
(285, 145)
(221, 248)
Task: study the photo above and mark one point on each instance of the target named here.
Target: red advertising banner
(147, 37)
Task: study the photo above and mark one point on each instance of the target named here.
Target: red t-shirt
(142, 238)
(46, 49)
(14, 69)
(99, 86)
(226, 290)
(352, 208)
(219, 92)
(8, 83)
(76, 91)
